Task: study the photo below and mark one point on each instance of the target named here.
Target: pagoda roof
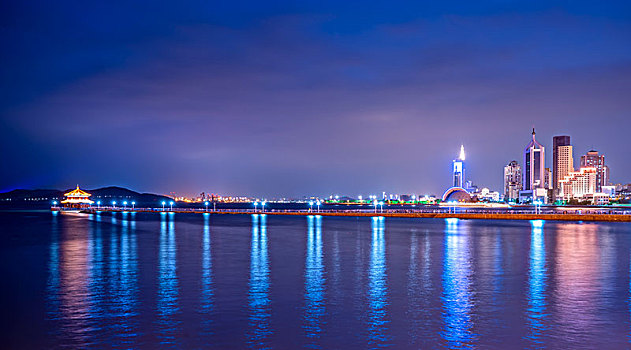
(77, 193)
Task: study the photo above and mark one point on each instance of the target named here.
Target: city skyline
(311, 99)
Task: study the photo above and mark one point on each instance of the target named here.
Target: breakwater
(591, 216)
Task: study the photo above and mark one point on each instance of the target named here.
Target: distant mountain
(106, 195)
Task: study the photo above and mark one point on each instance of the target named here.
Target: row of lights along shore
(256, 204)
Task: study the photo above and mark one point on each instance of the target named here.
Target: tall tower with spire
(459, 169)
(534, 166)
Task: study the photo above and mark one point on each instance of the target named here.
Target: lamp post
(114, 204)
(163, 203)
(375, 204)
(133, 205)
(310, 206)
(256, 204)
(171, 203)
(98, 205)
(381, 204)
(206, 203)
(263, 206)
(538, 207)
(125, 205)
(54, 204)
(318, 204)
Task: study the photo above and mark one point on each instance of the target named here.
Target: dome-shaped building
(456, 194)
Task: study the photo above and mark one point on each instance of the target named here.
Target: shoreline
(589, 217)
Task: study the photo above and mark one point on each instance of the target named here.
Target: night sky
(312, 97)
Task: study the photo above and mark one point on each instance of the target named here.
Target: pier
(589, 215)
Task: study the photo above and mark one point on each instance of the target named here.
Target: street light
(318, 204)
(133, 205)
(54, 203)
(255, 205)
(171, 203)
(381, 204)
(310, 206)
(263, 206)
(125, 205)
(163, 203)
(206, 204)
(538, 207)
(98, 205)
(114, 204)
(375, 204)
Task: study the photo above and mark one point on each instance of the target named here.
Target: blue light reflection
(457, 299)
(207, 281)
(537, 277)
(314, 282)
(259, 285)
(167, 282)
(378, 286)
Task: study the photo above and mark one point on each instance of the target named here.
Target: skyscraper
(593, 160)
(533, 174)
(562, 161)
(512, 181)
(459, 169)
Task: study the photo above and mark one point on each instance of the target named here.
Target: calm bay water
(200, 281)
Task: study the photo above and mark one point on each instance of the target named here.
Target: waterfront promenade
(591, 214)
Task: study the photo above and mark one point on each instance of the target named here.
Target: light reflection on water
(259, 285)
(314, 282)
(131, 280)
(378, 287)
(457, 303)
(168, 288)
(537, 278)
(207, 280)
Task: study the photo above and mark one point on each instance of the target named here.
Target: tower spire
(462, 155)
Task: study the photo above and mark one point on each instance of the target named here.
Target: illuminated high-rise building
(512, 181)
(534, 165)
(459, 169)
(562, 161)
(533, 173)
(594, 160)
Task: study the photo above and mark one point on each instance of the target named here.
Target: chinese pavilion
(77, 198)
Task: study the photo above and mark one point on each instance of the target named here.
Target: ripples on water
(130, 280)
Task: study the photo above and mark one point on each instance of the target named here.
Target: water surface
(130, 280)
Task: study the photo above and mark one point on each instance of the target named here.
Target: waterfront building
(487, 195)
(512, 181)
(579, 184)
(609, 190)
(594, 160)
(533, 173)
(459, 169)
(77, 198)
(562, 161)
